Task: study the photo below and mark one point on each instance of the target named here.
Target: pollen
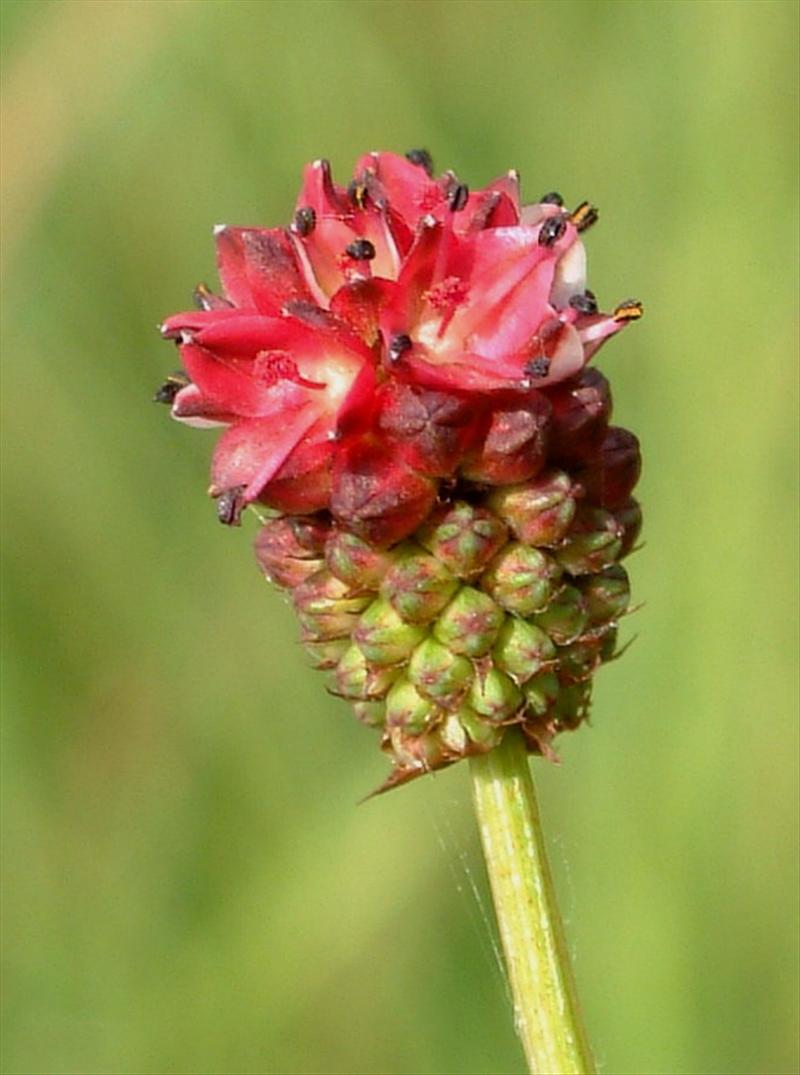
(447, 294)
(630, 310)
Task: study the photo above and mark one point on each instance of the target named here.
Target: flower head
(400, 331)
(401, 373)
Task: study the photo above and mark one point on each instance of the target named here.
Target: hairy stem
(545, 1003)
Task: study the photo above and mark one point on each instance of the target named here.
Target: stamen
(447, 294)
(584, 216)
(551, 230)
(538, 367)
(630, 310)
(270, 367)
(204, 298)
(361, 250)
(171, 387)
(230, 505)
(422, 158)
(305, 220)
(458, 197)
(585, 303)
(357, 192)
(398, 345)
(553, 198)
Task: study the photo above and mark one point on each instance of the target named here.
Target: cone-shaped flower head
(401, 373)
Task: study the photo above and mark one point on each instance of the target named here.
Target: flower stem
(545, 1002)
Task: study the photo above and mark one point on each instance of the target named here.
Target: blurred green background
(190, 886)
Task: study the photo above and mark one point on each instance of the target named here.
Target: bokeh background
(190, 886)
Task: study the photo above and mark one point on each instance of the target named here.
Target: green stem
(545, 1002)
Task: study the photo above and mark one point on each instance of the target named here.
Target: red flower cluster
(401, 332)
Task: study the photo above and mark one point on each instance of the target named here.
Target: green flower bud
(373, 714)
(629, 517)
(437, 672)
(355, 561)
(607, 594)
(463, 537)
(521, 579)
(406, 708)
(521, 649)
(593, 543)
(469, 624)
(383, 637)
(541, 693)
(481, 732)
(572, 704)
(578, 661)
(356, 678)
(326, 607)
(289, 550)
(539, 511)
(453, 736)
(494, 695)
(418, 585)
(565, 618)
(416, 753)
(326, 654)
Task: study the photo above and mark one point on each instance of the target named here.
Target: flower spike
(402, 377)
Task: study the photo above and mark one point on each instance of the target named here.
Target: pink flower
(399, 332)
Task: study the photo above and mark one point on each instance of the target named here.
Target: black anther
(585, 303)
(552, 230)
(304, 222)
(422, 158)
(361, 250)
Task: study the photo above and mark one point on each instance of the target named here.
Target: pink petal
(409, 189)
(259, 268)
(595, 330)
(223, 382)
(191, 407)
(193, 320)
(251, 452)
(319, 192)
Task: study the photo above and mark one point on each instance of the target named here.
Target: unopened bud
(481, 732)
(581, 411)
(629, 517)
(578, 661)
(610, 477)
(383, 637)
(326, 654)
(418, 585)
(406, 708)
(439, 673)
(356, 678)
(494, 695)
(326, 607)
(513, 448)
(540, 511)
(521, 578)
(593, 543)
(470, 623)
(606, 594)
(288, 551)
(565, 618)
(572, 705)
(354, 561)
(463, 537)
(521, 649)
(541, 692)
(416, 753)
(373, 714)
